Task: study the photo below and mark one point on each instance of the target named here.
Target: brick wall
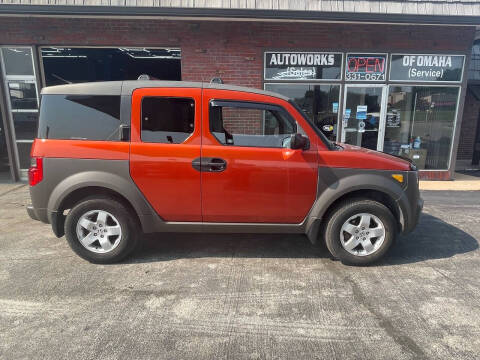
(243, 121)
(233, 50)
(469, 127)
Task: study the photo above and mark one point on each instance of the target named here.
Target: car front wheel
(360, 231)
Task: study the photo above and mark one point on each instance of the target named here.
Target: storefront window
(474, 73)
(21, 88)
(4, 160)
(319, 102)
(17, 61)
(420, 123)
(65, 65)
(23, 95)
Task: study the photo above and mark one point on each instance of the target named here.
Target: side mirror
(299, 141)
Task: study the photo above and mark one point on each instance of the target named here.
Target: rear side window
(167, 120)
(79, 117)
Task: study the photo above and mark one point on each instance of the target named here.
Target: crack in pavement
(400, 338)
(12, 190)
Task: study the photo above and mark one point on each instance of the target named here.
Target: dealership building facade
(401, 77)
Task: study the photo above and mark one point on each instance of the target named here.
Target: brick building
(389, 75)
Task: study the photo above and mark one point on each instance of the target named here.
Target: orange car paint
(355, 157)
(164, 172)
(259, 185)
(80, 149)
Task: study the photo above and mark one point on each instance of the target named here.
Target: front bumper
(411, 203)
(416, 216)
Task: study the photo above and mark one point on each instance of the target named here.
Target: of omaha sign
(302, 66)
(426, 67)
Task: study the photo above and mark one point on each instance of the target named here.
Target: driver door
(249, 174)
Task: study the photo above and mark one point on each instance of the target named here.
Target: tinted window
(251, 126)
(84, 117)
(167, 120)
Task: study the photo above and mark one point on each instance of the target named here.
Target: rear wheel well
(376, 195)
(89, 192)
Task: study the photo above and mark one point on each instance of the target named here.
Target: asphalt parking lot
(242, 296)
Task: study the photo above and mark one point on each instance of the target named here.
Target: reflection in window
(361, 129)
(21, 92)
(65, 65)
(25, 125)
(319, 102)
(79, 117)
(23, 95)
(420, 122)
(474, 73)
(18, 61)
(244, 126)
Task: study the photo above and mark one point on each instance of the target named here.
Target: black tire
(126, 220)
(344, 212)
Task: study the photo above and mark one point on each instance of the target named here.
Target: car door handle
(209, 164)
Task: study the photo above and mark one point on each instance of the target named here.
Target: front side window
(244, 124)
(167, 120)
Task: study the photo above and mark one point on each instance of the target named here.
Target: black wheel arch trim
(124, 188)
(334, 184)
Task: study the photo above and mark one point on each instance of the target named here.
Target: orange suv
(115, 159)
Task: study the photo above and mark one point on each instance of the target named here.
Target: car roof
(128, 86)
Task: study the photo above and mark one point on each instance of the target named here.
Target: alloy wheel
(99, 231)
(362, 234)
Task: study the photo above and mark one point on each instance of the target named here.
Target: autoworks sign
(302, 66)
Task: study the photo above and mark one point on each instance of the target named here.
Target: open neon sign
(362, 67)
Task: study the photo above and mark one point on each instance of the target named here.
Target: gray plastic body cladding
(411, 203)
(334, 183)
(63, 176)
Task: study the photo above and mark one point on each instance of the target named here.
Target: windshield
(322, 136)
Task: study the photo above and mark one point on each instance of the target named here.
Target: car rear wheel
(360, 231)
(101, 230)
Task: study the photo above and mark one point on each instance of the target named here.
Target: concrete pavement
(242, 296)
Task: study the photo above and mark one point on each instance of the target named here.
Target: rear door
(165, 139)
(249, 174)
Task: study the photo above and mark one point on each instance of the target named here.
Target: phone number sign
(366, 67)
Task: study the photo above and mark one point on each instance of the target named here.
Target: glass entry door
(364, 116)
